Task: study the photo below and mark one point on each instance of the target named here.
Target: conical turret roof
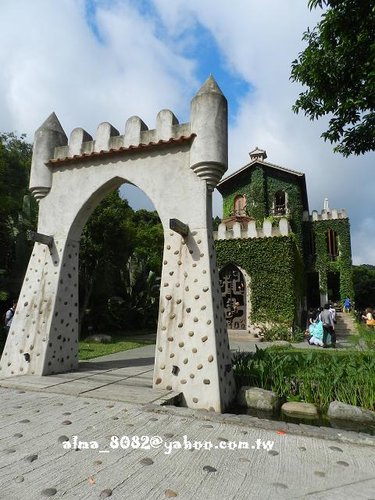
(210, 85)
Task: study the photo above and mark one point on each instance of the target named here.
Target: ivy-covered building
(275, 258)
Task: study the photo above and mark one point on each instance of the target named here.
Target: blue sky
(207, 55)
(105, 60)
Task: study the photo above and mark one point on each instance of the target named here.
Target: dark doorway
(312, 292)
(333, 285)
(233, 289)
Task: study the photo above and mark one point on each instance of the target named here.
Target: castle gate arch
(177, 166)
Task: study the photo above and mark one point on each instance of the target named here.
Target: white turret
(47, 137)
(209, 121)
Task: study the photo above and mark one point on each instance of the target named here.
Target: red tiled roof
(130, 149)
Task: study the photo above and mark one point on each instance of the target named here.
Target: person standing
(332, 310)
(9, 316)
(328, 326)
(347, 305)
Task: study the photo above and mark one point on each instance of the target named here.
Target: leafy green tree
(17, 211)
(107, 242)
(120, 266)
(337, 66)
(138, 305)
(364, 286)
(149, 239)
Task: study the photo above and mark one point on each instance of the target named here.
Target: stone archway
(177, 166)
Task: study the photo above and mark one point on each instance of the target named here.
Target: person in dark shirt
(328, 326)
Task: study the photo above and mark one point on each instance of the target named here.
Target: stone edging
(327, 433)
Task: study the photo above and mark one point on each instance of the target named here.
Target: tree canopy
(338, 67)
(120, 262)
(17, 211)
(364, 286)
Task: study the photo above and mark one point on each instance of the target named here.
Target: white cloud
(363, 250)
(51, 61)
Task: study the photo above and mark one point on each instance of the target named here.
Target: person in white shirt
(9, 316)
(332, 310)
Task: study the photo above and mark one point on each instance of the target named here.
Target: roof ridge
(265, 163)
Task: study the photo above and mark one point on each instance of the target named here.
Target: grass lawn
(121, 341)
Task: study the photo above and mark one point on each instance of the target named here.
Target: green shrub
(281, 332)
(365, 338)
(314, 376)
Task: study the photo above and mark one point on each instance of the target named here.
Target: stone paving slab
(130, 394)
(125, 376)
(33, 461)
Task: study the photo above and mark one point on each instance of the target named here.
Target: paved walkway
(281, 460)
(125, 376)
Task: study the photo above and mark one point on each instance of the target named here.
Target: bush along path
(313, 376)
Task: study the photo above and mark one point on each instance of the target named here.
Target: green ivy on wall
(259, 187)
(323, 264)
(275, 270)
(253, 188)
(294, 204)
(277, 266)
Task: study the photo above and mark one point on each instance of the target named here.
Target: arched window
(332, 244)
(280, 203)
(240, 205)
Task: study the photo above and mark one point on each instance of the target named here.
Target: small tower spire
(209, 86)
(258, 154)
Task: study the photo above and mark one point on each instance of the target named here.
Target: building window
(240, 205)
(280, 205)
(332, 244)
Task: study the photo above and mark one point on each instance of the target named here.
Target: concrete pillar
(45, 325)
(323, 293)
(284, 226)
(267, 228)
(133, 128)
(237, 230)
(77, 137)
(222, 232)
(104, 133)
(252, 229)
(164, 124)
